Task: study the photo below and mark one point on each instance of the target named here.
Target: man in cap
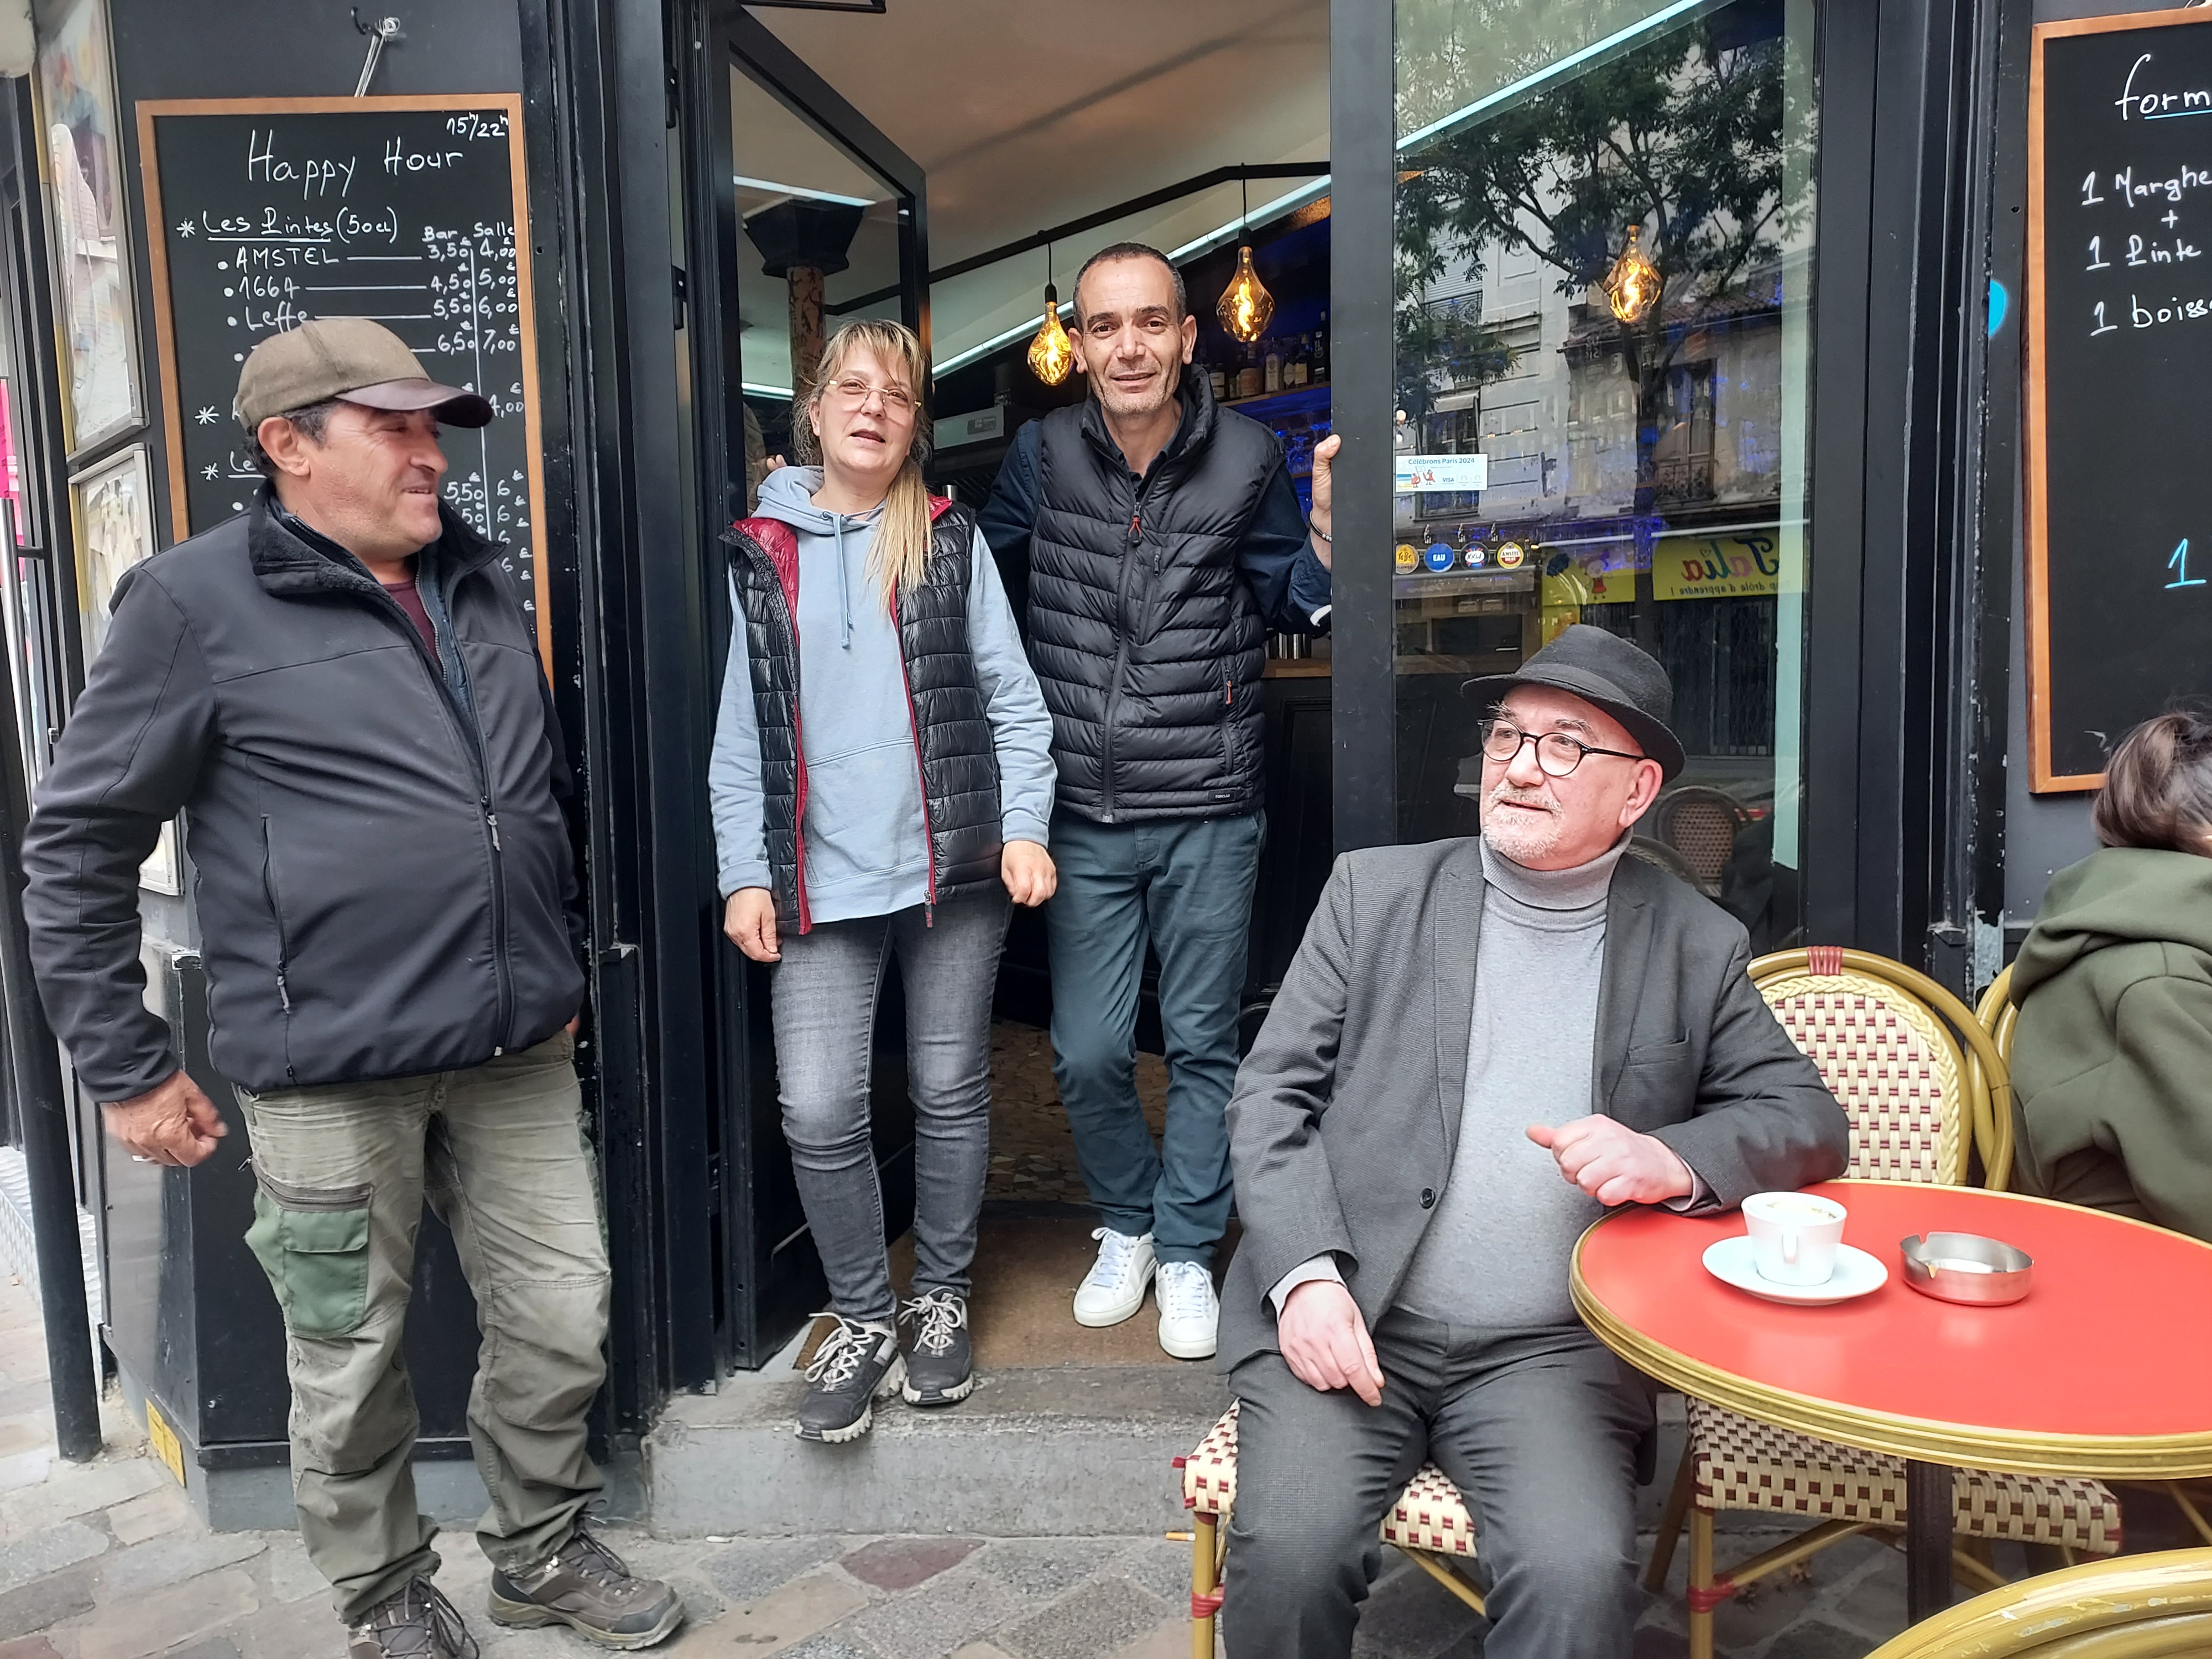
(1482, 1046)
(340, 691)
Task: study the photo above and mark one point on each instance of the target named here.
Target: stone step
(1046, 1451)
(1034, 1452)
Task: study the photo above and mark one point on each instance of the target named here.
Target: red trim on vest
(780, 543)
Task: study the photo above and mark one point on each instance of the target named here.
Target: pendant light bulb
(1052, 354)
(1632, 287)
(1246, 305)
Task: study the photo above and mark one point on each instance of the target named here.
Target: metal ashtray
(1966, 1267)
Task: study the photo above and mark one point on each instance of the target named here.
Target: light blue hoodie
(867, 847)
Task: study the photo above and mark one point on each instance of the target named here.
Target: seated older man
(1483, 1045)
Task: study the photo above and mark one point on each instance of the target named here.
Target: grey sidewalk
(106, 1561)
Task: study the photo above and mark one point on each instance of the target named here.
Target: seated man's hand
(172, 1122)
(1325, 1342)
(1614, 1163)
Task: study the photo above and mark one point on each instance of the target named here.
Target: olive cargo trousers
(342, 1172)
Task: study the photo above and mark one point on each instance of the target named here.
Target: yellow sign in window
(167, 1447)
(1725, 567)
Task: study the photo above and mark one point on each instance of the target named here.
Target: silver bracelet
(1319, 532)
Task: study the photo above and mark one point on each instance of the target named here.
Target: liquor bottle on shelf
(1321, 352)
(1218, 378)
(1302, 361)
(1273, 367)
(1248, 376)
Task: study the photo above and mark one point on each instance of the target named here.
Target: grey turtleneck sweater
(1496, 1252)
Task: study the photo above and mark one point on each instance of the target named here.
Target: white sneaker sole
(1118, 1312)
(1187, 1350)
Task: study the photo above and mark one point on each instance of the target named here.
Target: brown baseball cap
(349, 357)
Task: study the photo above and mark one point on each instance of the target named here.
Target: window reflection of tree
(1682, 138)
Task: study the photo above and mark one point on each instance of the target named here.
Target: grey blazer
(1346, 1114)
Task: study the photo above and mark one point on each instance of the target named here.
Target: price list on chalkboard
(268, 213)
(2119, 549)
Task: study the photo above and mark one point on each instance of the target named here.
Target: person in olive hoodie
(2112, 1059)
(340, 691)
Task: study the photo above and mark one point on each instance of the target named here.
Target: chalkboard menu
(264, 213)
(2119, 551)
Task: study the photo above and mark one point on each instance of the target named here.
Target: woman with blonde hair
(2111, 1065)
(882, 783)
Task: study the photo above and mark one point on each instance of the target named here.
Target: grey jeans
(824, 994)
(342, 1172)
(1540, 1432)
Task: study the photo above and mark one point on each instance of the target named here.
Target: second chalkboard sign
(264, 213)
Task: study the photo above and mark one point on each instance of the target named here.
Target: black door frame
(1896, 610)
(770, 1280)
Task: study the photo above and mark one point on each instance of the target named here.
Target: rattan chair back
(1996, 1015)
(2132, 1607)
(1701, 823)
(1888, 1040)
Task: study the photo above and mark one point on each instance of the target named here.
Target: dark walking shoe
(858, 1364)
(416, 1622)
(940, 1365)
(585, 1585)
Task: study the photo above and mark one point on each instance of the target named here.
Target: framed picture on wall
(98, 326)
(112, 505)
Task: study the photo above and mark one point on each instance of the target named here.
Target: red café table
(2100, 1371)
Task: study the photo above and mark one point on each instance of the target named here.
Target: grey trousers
(823, 996)
(342, 1174)
(1540, 1432)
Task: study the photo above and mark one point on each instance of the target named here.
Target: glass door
(816, 218)
(1603, 323)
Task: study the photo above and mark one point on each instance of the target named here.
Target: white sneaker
(1113, 1289)
(1188, 1309)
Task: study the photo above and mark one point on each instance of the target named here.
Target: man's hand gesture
(172, 1122)
(1614, 1163)
(1325, 1342)
(1323, 518)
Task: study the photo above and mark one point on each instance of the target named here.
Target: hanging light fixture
(1246, 305)
(1632, 287)
(1052, 354)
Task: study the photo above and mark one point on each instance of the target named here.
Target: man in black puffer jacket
(1163, 540)
(340, 692)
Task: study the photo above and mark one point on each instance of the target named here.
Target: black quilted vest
(1144, 634)
(952, 731)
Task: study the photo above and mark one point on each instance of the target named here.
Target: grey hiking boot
(858, 1364)
(585, 1585)
(940, 1365)
(414, 1622)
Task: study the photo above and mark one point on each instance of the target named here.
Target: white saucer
(1856, 1274)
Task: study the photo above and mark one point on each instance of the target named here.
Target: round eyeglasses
(1557, 752)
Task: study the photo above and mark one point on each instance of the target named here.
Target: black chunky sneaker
(585, 1585)
(858, 1363)
(940, 1365)
(415, 1622)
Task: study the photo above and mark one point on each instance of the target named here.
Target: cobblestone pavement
(105, 1560)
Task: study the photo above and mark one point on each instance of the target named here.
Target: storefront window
(1604, 264)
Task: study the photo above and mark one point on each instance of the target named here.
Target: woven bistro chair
(2000, 1020)
(1887, 1041)
(1995, 1015)
(1428, 1522)
(1701, 823)
(2141, 1607)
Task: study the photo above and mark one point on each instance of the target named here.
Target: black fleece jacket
(380, 864)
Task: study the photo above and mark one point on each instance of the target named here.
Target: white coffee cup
(1794, 1236)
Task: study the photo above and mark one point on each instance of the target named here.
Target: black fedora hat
(1604, 669)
